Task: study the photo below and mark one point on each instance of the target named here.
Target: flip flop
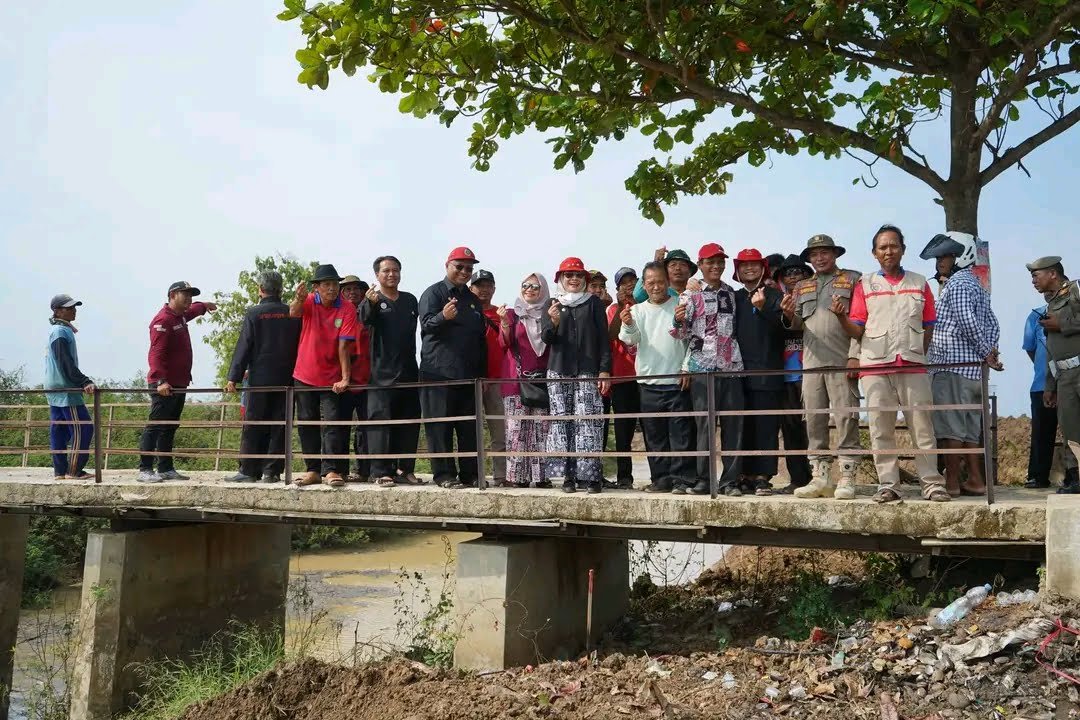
(309, 478)
(939, 495)
(886, 495)
(333, 480)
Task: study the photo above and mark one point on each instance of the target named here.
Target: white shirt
(658, 353)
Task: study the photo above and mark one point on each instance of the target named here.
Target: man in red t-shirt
(892, 316)
(324, 359)
(353, 403)
(483, 287)
(625, 394)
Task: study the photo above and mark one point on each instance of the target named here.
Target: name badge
(337, 322)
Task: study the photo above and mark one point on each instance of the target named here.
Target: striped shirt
(967, 329)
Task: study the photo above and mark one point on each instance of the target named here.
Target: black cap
(63, 300)
(325, 272)
(482, 276)
(183, 285)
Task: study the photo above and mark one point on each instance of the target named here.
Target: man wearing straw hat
(70, 424)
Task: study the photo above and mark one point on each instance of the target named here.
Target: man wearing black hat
(69, 422)
(324, 358)
(170, 369)
(790, 272)
(266, 352)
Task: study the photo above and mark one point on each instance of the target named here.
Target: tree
(231, 306)
(828, 77)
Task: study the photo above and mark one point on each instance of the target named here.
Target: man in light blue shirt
(70, 428)
(1043, 419)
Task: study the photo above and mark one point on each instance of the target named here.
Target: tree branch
(1015, 154)
(1047, 73)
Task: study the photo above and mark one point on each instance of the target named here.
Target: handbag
(533, 394)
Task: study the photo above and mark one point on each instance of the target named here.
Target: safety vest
(894, 319)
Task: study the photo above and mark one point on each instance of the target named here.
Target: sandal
(82, 475)
(308, 478)
(385, 482)
(333, 480)
(888, 495)
(939, 495)
(409, 479)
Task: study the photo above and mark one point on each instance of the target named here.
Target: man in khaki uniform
(826, 344)
(1062, 325)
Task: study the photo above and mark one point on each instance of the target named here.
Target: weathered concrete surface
(1063, 546)
(523, 600)
(1018, 515)
(163, 592)
(12, 558)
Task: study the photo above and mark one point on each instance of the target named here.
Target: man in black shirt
(390, 316)
(453, 347)
(266, 351)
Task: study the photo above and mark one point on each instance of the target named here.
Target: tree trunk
(961, 202)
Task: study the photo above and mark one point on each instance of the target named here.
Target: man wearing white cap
(70, 427)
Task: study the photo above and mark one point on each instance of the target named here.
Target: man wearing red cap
(707, 319)
(760, 331)
(453, 347)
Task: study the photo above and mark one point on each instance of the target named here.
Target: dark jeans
(625, 398)
(728, 396)
(321, 439)
(449, 401)
(393, 404)
(761, 432)
(354, 405)
(793, 428)
(666, 434)
(160, 438)
(1044, 426)
(263, 439)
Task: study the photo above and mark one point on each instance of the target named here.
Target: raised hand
(301, 290)
(501, 312)
(787, 304)
(372, 295)
(555, 314)
(758, 298)
(449, 310)
(625, 316)
(660, 254)
(680, 312)
(837, 306)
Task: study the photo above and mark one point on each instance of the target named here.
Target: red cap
(570, 264)
(709, 250)
(461, 254)
(751, 255)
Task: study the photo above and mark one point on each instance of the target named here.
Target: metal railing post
(289, 397)
(220, 437)
(96, 429)
(481, 446)
(994, 431)
(710, 406)
(26, 438)
(988, 451)
(108, 437)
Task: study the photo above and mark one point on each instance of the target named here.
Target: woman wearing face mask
(575, 330)
(526, 356)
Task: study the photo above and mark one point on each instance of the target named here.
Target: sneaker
(569, 486)
(270, 478)
(625, 483)
(148, 476)
(172, 475)
(240, 477)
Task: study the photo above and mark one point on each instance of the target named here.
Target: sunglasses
(461, 267)
(529, 286)
(573, 275)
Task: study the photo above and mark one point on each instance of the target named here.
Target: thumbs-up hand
(787, 304)
(837, 306)
(449, 310)
(660, 254)
(625, 316)
(554, 313)
(758, 298)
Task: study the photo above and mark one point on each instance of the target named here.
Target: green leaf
(296, 6)
(649, 129)
(664, 142)
(288, 15)
(1014, 113)
(561, 160)
(308, 57)
(406, 104)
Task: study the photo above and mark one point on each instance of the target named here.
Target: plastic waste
(797, 692)
(725, 607)
(1019, 597)
(728, 681)
(960, 607)
(710, 676)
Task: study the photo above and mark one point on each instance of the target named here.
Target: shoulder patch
(806, 289)
(159, 328)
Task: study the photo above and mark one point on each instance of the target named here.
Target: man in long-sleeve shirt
(170, 369)
(266, 352)
(70, 425)
(453, 347)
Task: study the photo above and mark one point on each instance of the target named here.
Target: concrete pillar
(1063, 546)
(12, 558)
(523, 600)
(164, 592)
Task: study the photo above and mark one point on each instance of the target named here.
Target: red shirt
(170, 346)
(324, 325)
(858, 314)
(495, 352)
(623, 356)
(360, 374)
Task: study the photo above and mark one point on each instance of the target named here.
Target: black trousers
(160, 438)
(625, 398)
(761, 432)
(263, 439)
(393, 404)
(668, 434)
(793, 428)
(1044, 426)
(728, 396)
(321, 439)
(354, 406)
(449, 401)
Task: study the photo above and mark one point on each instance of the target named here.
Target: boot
(820, 482)
(845, 489)
(1071, 484)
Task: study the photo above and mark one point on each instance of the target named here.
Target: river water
(344, 605)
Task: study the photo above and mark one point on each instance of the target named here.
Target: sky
(155, 142)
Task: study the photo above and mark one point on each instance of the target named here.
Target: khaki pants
(1068, 409)
(493, 405)
(824, 390)
(911, 389)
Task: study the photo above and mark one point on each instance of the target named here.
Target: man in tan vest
(826, 344)
(892, 315)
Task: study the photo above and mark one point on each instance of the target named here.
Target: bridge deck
(1014, 525)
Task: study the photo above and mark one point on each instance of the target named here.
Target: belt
(1068, 363)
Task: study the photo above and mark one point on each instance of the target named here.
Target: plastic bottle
(960, 607)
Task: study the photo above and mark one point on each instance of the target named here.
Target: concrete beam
(12, 558)
(1063, 546)
(164, 592)
(524, 600)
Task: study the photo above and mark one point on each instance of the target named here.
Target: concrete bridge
(184, 559)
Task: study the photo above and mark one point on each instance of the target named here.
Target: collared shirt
(452, 349)
(170, 346)
(324, 327)
(710, 329)
(62, 366)
(967, 329)
(392, 326)
(825, 343)
(859, 315)
(1035, 342)
(266, 347)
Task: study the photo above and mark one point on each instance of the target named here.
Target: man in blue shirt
(1043, 419)
(70, 428)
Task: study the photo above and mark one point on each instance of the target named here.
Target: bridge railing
(103, 418)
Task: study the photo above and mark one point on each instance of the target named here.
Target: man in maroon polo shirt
(323, 359)
(170, 369)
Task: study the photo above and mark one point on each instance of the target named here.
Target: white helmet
(960, 245)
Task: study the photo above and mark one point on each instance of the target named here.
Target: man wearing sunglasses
(452, 336)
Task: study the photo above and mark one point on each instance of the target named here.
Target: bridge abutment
(164, 592)
(1063, 546)
(521, 600)
(12, 558)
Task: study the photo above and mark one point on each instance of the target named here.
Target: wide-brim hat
(351, 280)
(571, 264)
(821, 241)
(325, 272)
(791, 261)
(674, 255)
(747, 256)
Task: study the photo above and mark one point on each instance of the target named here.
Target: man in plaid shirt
(967, 331)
